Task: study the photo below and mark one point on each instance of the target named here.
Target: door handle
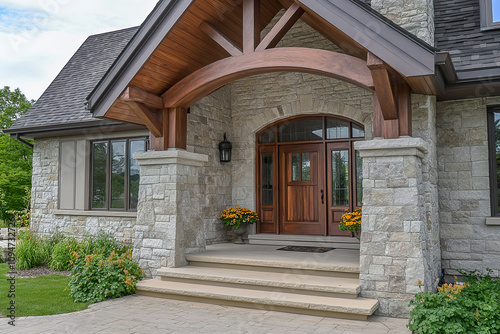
(322, 197)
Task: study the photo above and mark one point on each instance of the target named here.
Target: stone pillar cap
(392, 147)
(169, 157)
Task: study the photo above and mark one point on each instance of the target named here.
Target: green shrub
(28, 252)
(104, 243)
(97, 277)
(47, 244)
(472, 308)
(64, 254)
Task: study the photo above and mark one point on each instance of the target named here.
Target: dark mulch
(306, 249)
(40, 271)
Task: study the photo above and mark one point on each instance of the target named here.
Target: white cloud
(38, 37)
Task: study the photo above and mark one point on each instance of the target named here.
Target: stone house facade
(429, 194)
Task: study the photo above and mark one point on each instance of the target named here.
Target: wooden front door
(302, 189)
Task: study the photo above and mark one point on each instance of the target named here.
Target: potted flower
(351, 221)
(238, 218)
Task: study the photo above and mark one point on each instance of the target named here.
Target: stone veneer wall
(44, 192)
(464, 192)
(416, 16)
(209, 119)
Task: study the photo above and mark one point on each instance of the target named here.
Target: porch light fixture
(225, 148)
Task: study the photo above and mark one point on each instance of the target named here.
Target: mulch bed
(40, 271)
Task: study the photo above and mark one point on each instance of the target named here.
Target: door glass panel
(359, 180)
(118, 175)
(267, 179)
(135, 146)
(340, 177)
(99, 154)
(357, 131)
(267, 137)
(336, 129)
(296, 168)
(301, 130)
(306, 166)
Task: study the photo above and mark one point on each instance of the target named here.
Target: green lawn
(43, 295)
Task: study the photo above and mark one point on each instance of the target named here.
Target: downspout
(18, 137)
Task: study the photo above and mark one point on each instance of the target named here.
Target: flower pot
(357, 234)
(239, 233)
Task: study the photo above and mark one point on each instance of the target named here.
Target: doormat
(306, 249)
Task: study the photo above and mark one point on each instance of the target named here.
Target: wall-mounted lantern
(225, 148)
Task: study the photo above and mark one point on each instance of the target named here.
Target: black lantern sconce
(225, 148)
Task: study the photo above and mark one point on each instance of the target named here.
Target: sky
(496, 10)
(38, 37)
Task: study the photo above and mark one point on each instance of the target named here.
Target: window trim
(492, 160)
(486, 13)
(108, 173)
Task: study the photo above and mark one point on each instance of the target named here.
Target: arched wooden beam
(211, 77)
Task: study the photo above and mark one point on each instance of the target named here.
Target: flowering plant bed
(472, 307)
(351, 221)
(238, 216)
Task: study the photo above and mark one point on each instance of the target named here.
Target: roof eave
(403, 51)
(145, 41)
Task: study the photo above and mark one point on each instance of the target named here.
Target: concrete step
(254, 298)
(303, 240)
(269, 281)
(266, 259)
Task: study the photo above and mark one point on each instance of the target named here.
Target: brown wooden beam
(383, 128)
(147, 117)
(211, 77)
(251, 25)
(220, 39)
(135, 94)
(292, 14)
(383, 86)
(177, 128)
(403, 94)
(160, 143)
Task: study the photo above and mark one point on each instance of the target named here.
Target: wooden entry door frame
(271, 182)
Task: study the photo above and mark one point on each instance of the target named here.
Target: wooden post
(177, 128)
(251, 25)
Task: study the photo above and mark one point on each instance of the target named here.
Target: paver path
(148, 315)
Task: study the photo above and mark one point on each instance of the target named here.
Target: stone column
(397, 242)
(169, 222)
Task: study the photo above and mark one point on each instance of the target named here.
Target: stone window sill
(493, 221)
(95, 213)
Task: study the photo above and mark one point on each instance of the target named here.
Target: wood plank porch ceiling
(209, 31)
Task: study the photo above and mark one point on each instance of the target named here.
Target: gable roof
(63, 104)
(173, 18)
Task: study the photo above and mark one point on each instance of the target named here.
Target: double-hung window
(490, 14)
(115, 174)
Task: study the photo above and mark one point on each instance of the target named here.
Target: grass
(43, 295)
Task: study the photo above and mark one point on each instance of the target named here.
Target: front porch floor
(337, 260)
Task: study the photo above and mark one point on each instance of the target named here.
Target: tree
(15, 157)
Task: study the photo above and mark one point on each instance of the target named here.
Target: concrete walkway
(140, 314)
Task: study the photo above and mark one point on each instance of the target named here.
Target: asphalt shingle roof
(458, 31)
(63, 102)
